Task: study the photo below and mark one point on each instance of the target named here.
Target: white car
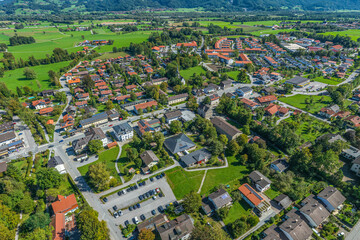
(136, 220)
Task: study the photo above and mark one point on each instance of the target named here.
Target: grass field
(14, 78)
(224, 176)
(298, 101)
(108, 157)
(331, 81)
(124, 162)
(270, 31)
(182, 182)
(190, 72)
(354, 34)
(271, 193)
(112, 55)
(237, 210)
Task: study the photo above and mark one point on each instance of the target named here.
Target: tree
(95, 146)
(88, 83)
(133, 96)
(37, 220)
(175, 126)
(40, 234)
(288, 87)
(60, 96)
(99, 176)
(206, 100)
(48, 178)
(90, 227)
(216, 147)
(132, 154)
(238, 227)
(146, 234)
(205, 232)
(26, 205)
(19, 92)
(109, 105)
(29, 73)
(192, 202)
(5, 233)
(223, 138)
(233, 147)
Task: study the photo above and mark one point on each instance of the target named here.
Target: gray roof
(3, 167)
(283, 200)
(178, 143)
(149, 157)
(94, 119)
(330, 137)
(153, 222)
(224, 126)
(297, 228)
(179, 96)
(297, 80)
(282, 164)
(274, 233)
(92, 134)
(220, 198)
(333, 196)
(7, 136)
(122, 128)
(352, 151)
(314, 209)
(226, 82)
(195, 156)
(245, 89)
(187, 115)
(6, 126)
(176, 229)
(258, 178)
(173, 114)
(54, 161)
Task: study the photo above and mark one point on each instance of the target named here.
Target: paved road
(355, 233)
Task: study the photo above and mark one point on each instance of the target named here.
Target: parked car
(147, 195)
(160, 195)
(138, 205)
(61, 141)
(161, 209)
(163, 174)
(157, 190)
(115, 215)
(134, 207)
(119, 193)
(140, 197)
(135, 220)
(157, 176)
(151, 179)
(120, 213)
(130, 208)
(20, 134)
(126, 223)
(154, 197)
(136, 187)
(123, 192)
(115, 208)
(142, 217)
(105, 199)
(153, 212)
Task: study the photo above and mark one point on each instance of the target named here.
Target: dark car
(153, 212)
(131, 188)
(119, 193)
(105, 199)
(163, 174)
(128, 190)
(176, 203)
(143, 217)
(161, 209)
(130, 208)
(160, 194)
(136, 187)
(152, 179)
(144, 183)
(147, 195)
(140, 197)
(138, 205)
(126, 223)
(115, 208)
(134, 207)
(61, 141)
(158, 177)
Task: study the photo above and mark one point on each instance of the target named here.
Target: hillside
(53, 6)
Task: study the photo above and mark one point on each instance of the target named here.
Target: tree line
(19, 40)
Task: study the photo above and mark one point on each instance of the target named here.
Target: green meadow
(354, 34)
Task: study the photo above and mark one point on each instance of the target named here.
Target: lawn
(183, 182)
(237, 210)
(270, 31)
(125, 163)
(331, 81)
(271, 193)
(354, 34)
(190, 72)
(14, 78)
(108, 157)
(233, 74)
(112, 55)
(229, 175)
(298, 101)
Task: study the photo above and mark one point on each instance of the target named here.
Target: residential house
(123, 132)
(274, 233)
(65, 204)
(314, 211)
(295, 228)
(226, 84)
(261, 182)
(298, 81)
(148, 126)
(223, 127)
(353, 121)
(283, 201)
(39, 104)
(144, 106)
(331, 198)
(268, 90)
(197, 157)
(214, 99)
(279, 165)
(244, 91)
(57, 163)
(179, 143)
(328, 112)
(254, 199)
(172, 116)
(47, 110)
(205, 111)
(187, 116)
(248, 103)
(220, 198)
(179, 228)
(149, 160)
(152, 223)
(93, 134)
(178, 98)
(47, 93)
(266, 99)
(351, 153)
(95, 120)
(81, 104)
(6, 127)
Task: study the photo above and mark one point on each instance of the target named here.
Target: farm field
(183, 182)
(14, 78)
(190, 72)
(354, 34)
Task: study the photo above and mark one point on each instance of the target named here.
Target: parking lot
(131, 198)
(312, 87)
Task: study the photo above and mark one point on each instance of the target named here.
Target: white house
(123, 132)
(57, 163)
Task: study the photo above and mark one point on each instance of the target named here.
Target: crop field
(16, 77)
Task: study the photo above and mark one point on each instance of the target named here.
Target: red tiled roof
(248, 102)
(46, 110)
(248, 192)
(191, 44)
(145, 105)
(129, 87)
(59, 226)
(272, 109)
(266, 99)
(64, 204)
